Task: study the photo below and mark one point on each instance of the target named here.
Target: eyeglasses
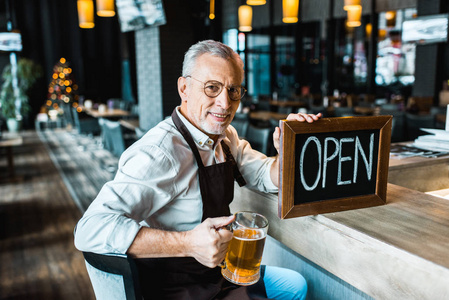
(213, 88)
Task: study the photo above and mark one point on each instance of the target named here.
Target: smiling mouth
(221, 116)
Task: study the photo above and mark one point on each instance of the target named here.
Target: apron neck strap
(187, 136)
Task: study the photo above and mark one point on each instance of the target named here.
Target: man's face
(210, 115)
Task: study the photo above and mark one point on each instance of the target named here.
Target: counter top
(395, 251)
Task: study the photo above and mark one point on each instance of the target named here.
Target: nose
(223, 99)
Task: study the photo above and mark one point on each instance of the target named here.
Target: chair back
(415, 122)
(240, 123)
(344, 111)
(85, 123)
(258, 138)
(318, 109)
(112, 135)
(113, 276)
(68, 115)
(397, 124)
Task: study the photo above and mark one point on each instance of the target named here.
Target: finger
(219, 222)
(224, 236)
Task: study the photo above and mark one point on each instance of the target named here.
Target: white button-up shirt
(157, 185)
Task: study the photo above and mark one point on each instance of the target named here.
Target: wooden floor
(37, 216)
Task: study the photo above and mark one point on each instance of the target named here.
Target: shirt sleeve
(254, 166)
(143, 184)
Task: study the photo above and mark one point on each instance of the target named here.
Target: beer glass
(242, 262)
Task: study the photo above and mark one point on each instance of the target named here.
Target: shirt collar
(199, 137)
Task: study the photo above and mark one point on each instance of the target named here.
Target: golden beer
(242, 261)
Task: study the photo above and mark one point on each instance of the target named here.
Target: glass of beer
(242, 261)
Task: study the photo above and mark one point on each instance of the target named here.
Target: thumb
(220, 222)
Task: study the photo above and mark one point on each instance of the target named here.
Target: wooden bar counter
(420, 173)
(395, 251)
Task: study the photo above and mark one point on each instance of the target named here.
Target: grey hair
(211, 47)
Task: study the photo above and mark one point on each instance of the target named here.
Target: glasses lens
(213, 88)
(235, 93)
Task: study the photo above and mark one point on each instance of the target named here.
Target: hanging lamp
(212, 9)
(256, 2)
(390, 17)
(105, 8)
(368, 30)
(290, 11)
(245, 18)
(86, 13)
(352, 4)
(354, 17)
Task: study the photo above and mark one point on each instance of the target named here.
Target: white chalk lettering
(343, 159)
(343, 163)
(329, 158)
(368, 165)
(301, 163)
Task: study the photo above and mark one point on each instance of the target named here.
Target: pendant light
(86, 13)
(390, 17)
(354, 17)
(212, 9)
(256, 2)
(368, 30)
(105, 8)
(245, 18)
(351, 4)
(290, 11)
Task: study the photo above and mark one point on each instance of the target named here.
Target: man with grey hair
(168, 205)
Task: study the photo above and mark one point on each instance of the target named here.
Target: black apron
(184, 277)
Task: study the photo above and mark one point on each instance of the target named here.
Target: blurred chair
(113, 138)
(440, 116)
(85, 123)
(389, 107)
(344, 111)
(397, 125)
(317, 109)
(68, 114)
(285, 109)
(415, 122)
(259, 138)
(420, 104)
(140, 132)
(241, 123)
(113, 276)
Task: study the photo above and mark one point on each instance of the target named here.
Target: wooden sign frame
(289, 130)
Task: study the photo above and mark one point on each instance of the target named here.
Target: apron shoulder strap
(237, 175)
(188, 137)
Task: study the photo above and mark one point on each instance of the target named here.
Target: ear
(183, 89)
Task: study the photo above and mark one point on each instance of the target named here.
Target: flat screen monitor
(138, 14)
(426, 29)
(10, 41)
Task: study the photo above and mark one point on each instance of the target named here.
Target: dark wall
(187, 23)
(50, 31)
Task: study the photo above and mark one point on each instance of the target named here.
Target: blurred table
(108, 113)
(364, 110)
(267, 115)
(8, 141)
(131, 124)
(288, 103)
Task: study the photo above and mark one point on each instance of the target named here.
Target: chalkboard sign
(333, 164)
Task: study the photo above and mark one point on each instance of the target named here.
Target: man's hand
(310, 118)
(208, 242)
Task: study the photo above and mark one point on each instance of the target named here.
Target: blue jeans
(281, 283)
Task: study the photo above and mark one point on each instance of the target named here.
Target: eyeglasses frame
(222, 85)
